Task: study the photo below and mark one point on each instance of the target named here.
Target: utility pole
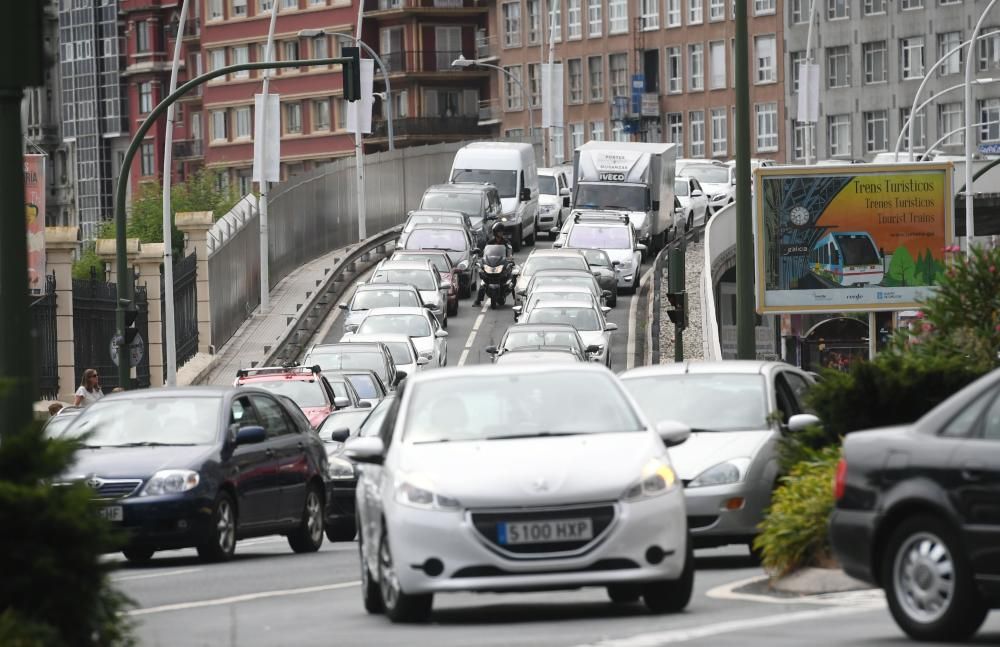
(677, 294)
(21, 46)
(359, 151)
(746, 315)
(262, 204)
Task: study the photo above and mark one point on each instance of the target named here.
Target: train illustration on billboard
(848, 259)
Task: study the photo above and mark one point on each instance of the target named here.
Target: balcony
(429, 128)
(427, 62)
(188, 149)
(490, 112)
(433, 7)
(192, 29)
(487, 48)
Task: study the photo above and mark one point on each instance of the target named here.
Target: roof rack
(293, 368)
(600, 216)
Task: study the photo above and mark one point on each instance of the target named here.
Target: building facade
(872, 56)
(653, 70)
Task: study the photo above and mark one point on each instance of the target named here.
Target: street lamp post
(746, 315)
(262, 202)
(463, 62)
(808, 134)
(970, 224)
(904, 130)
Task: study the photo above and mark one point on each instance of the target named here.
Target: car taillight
(840, 480)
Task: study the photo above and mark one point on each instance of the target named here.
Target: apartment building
(873, 54)
(654, 70)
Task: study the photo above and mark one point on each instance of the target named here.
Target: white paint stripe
(472, 334)
(248, 597)
(656, 639)
(148, 576)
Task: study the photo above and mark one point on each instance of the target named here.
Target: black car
(203, 467)
(918, 513)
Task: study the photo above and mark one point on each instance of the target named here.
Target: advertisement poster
(852, 238)
(34, 199)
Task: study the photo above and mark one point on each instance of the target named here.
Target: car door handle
(973, 471)
(269, 452)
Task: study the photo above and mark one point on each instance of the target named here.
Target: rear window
(364, 385)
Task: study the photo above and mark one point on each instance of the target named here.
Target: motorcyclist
(498, 239)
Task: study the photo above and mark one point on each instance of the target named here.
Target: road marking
(655, 639)
(147, 576)
(234, 599)
(633, 309)
(472, 334)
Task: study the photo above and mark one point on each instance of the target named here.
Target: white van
(511, 168)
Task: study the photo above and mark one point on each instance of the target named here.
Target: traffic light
(678, 311)
(352, 74)
(130, 332)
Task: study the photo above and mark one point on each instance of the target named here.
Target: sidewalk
(261, 333)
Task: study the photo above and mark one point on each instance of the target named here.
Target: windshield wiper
(539, 434)
(147, 443)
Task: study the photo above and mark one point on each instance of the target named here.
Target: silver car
(421, 275)
(612, 234)
(430, 340)
(585, 316)
(404, 354)
(567, 278)
(604, 271)
(368, 296)
(730, 466)
(451, 499)
(546, 259)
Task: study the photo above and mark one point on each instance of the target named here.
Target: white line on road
(472, 334)
(147, 576)
(248, 597)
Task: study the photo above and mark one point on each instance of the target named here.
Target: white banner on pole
(367, 100)
(267, 139)
(808, 109)
(552, 95)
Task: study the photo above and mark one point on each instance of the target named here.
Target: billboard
(34, 206)
(850, 238)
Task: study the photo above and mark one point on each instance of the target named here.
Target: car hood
(620, 255)
(457, 257)
(535, 357)
(423, 344)
(508, 205)
(431, 296)
(533, 471)
(136, 462)
(709, 448)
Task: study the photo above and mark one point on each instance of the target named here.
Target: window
(512, 88)
(838, 9)
(597, 131)
(919, 129)
(675, 128)
(142, 36)
(695, 12)
(558, 146)
(946, 43)
(340, 113)
(555, 21)
(874, 7)
(511, 24)
(794, 60)
(696, 67)
(290, 51)
(950, 118)
(839, 135)
(145, 97)
(618, 70)
(717, 63)
(798, 11)
(289, 4)
(219, 131)
(574, 69)
(239, 8)
(244, 125)
(241, 55)
(909, 5)
(767, 126)
(989, 117)
(763, 7)
(595, 19)
(674, 70)
(595, 68)
(989, 49)
(293, 118)
(216, 59)
(265, 5)
(147, 159)
(911, 61)
(799, 135)
(876, 62)
(534, 21)
(617, 16)
(876, 131)
(717, 9)
(575, 135)
(320, 46)
(215, 10)
(719, 132)
(766, 68)
(618, 132)
(838, 66)
(574, 28)
(534, 85)
(697, 120)
(271, 416)
(650, 18)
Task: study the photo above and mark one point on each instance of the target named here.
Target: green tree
(88, 261)
(902, 270)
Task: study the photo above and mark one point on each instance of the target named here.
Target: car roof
(553, 252)
(557, 354)
(557, 287)
(399, 310)
(460, 187)
(436, 212)
(173, 392)
(541, 326)
(274, 377)
(341, 345)
(396, 264)
(561, 271)
(478, 370)
(420, 226)
(541, 305)
(395, 286)
(735, 366)
(378, 337)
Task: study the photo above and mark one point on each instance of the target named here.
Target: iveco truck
(636, 178)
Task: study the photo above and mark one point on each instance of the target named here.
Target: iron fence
(43, 338)
(185, 309)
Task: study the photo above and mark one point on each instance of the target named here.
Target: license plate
(111, 513)
(544, 532)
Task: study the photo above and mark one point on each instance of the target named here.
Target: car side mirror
(564, 191)
(610, 326)
(441, 334)
(656, 205)
(342, 306)
(605, 309)
(429, 306)
(351, 328)
(733, 181)
(423, 361)
(672, 433)
(517, 310)
(639, 247)
(615, 263)
(696, 193)
(250, 435)
(341, 403)
(593, 349)
(515, 272)
(444, 285)
(801, 422)
(364, 404)
(491, 350)
(566, 202)
(525, 194)
(557, 245)
(554, 231)
(340, 435)
(400, 376)
(365, 449)
(464, 265)
(606, 294)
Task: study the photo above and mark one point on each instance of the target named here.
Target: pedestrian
(90, 389)
(55, 408)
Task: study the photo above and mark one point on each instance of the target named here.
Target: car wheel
(221, 542)
(399, 606)
(138, 555)
(341, 530)
(308, 535)
(624, 593)
(516, 243)
(672, 596)
(928, 582)
(370, 593)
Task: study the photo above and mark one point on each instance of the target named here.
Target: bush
(794, 531)
(89, 262)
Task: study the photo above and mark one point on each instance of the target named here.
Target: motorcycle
(495, 271)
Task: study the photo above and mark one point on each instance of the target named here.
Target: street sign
(808, 108)
(638, 85)
(135, 352)
(267, 138)
(650, 104)
(552, 95)
(989, 149)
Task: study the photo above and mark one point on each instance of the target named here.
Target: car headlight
(731, 471)
(339, 468)
(503, 218)
(657, 478)
(171, 482)
(421, 495)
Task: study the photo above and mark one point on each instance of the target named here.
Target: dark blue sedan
(202, 467)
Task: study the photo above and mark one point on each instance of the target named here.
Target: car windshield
(858, 249)
(584, 319)
(504, 181)
(693, 399)
(347, 359)
(539, 338)
(395, 324)
(520, 406)
(339, 388)
(438, 259)
(364, 385)
(596, 258)
(709, 174)
(421, 279)
(597, 237)
(612, 196)
(305, 393)
(55, 427)
(557, 281)
(343, 420)
(547, 185)
(561, 262)
(451, 239)
(467, 203)
(370, 299)
(187, 420)
(402, 352)
(680, 187)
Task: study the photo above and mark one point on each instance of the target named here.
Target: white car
(477, 483)
(553, 198)
(546, 259)
(430, 340)
(611, 233)
(422, 275)
(555, 292)
(694, 201)
(404, 353)
(717, 181)
(586, 316)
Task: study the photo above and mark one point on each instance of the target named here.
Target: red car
(306, 386)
